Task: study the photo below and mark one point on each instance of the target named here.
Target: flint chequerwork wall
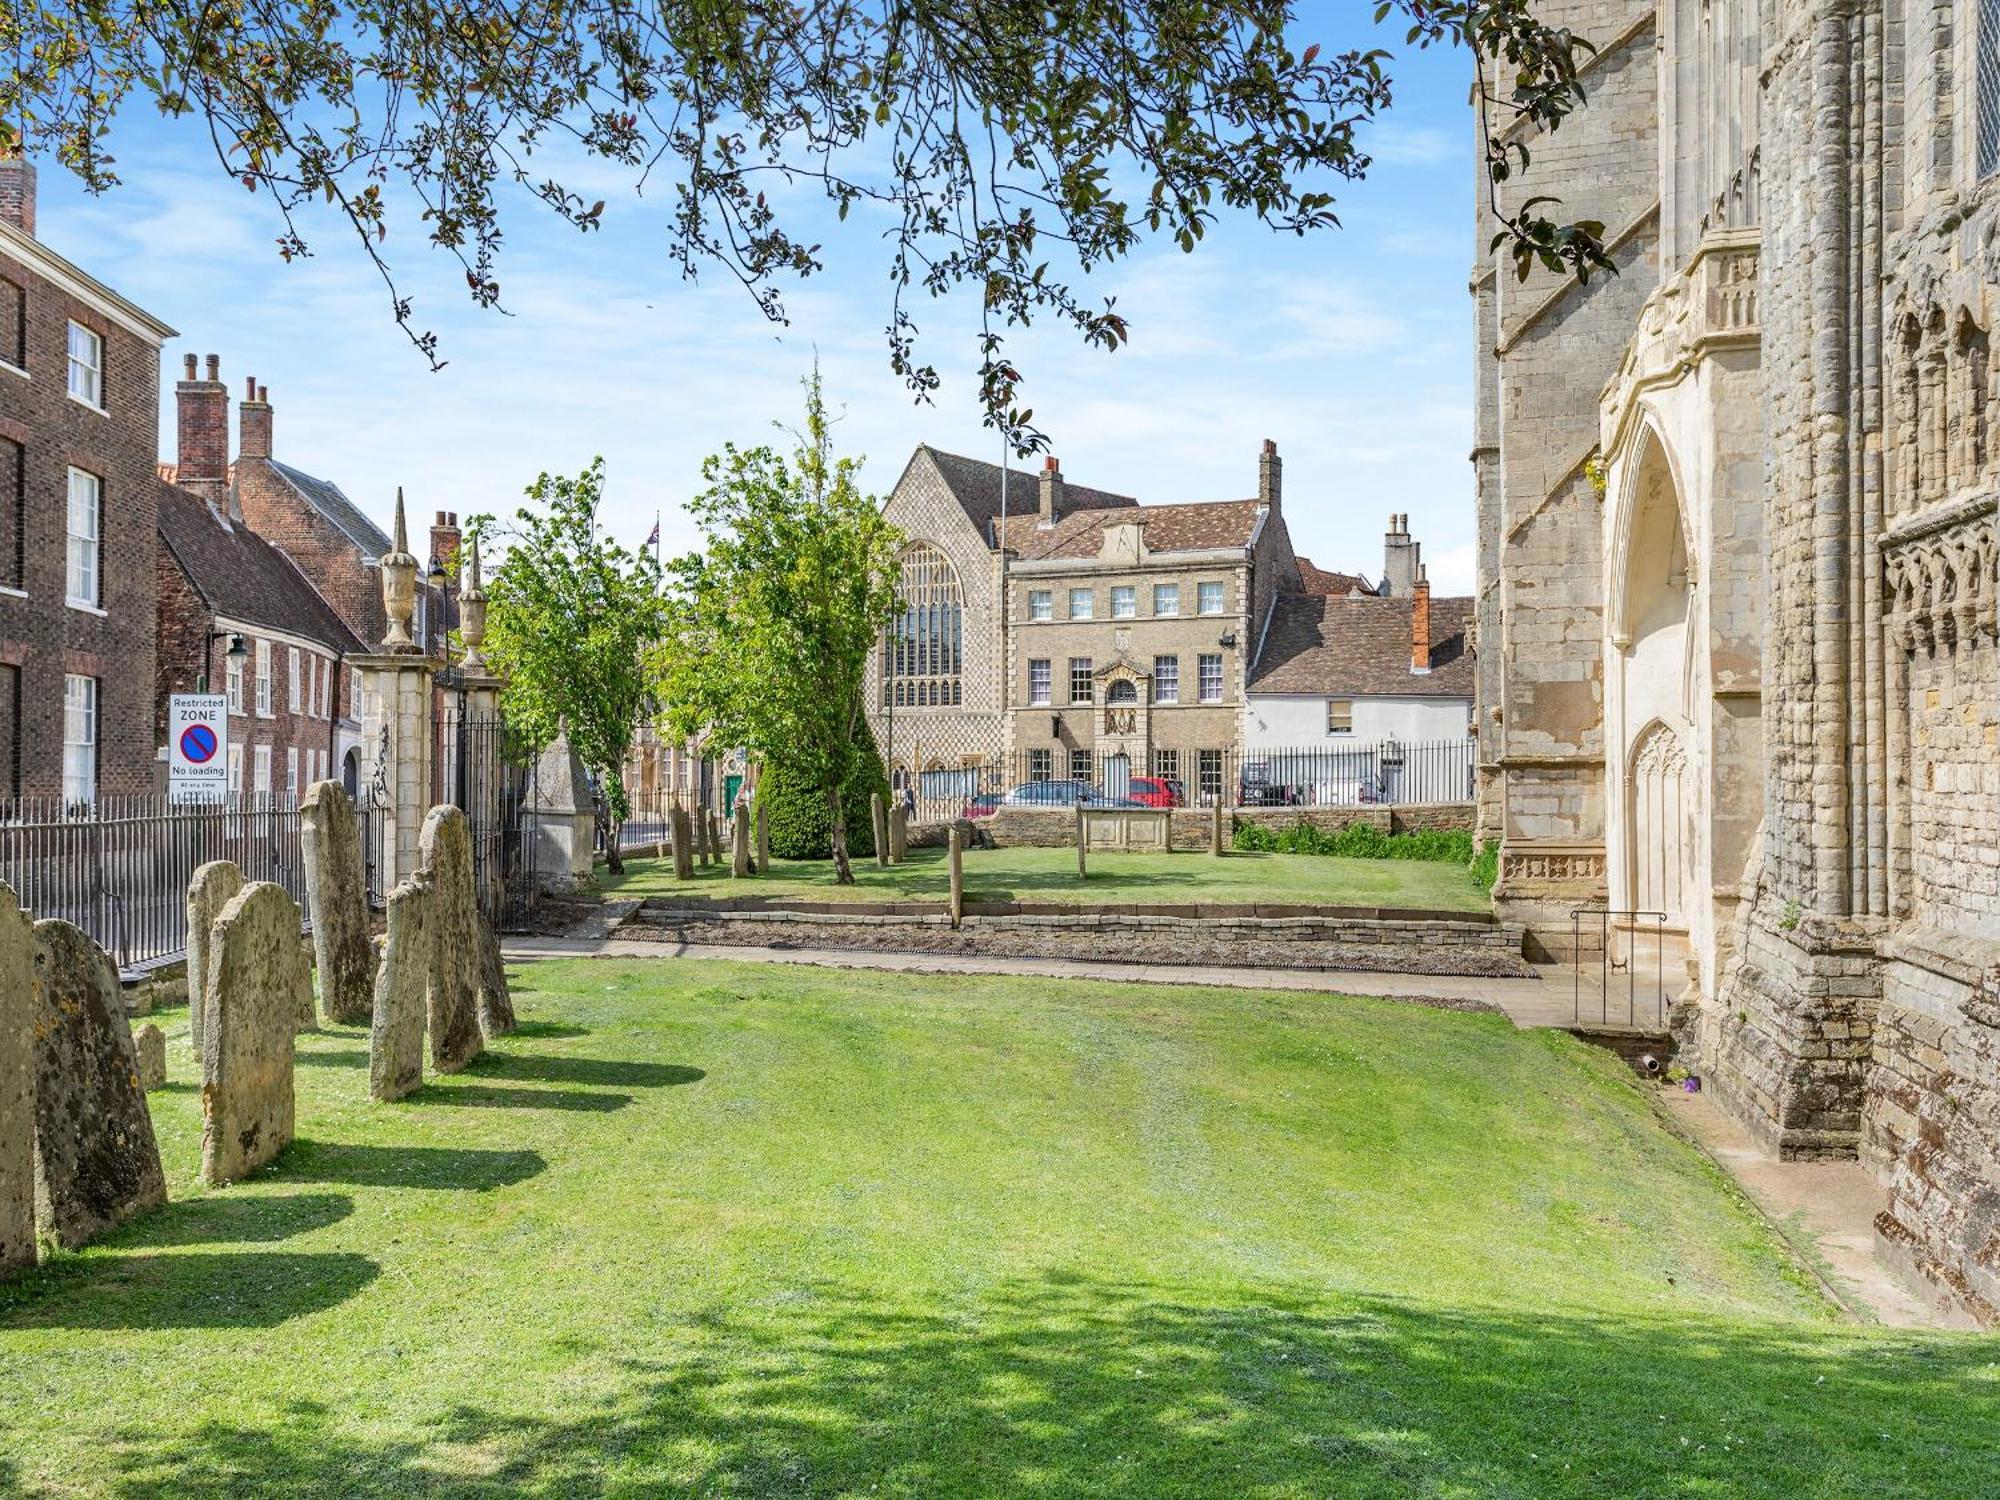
(1803, 706)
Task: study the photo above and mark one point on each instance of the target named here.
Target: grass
(1050, 875)
(722, 1229)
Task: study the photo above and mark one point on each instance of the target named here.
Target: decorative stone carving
(399, 590)
(17, 1087)
(337, 899)
(212, 887)
(472, 613)
(402, 985)
(96, 1161)
(453, 1002)
(256, 977)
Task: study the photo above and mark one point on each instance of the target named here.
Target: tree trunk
(843, 872)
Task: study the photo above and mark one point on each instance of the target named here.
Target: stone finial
(472, 612)
(399, 589)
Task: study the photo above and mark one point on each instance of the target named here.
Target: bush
(796, 811)
(1486, 865)
(1357, 841)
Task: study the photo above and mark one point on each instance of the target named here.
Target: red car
(1156, 791)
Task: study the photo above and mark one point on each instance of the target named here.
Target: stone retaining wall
(1426, 943)
(1034, 828)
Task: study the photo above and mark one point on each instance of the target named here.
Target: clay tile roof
(239, 574)
(326, 497)
(1360, 646)
(1168, 528)
(976, 487)
(1337, 585)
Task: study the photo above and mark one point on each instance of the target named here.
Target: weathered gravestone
(337, 902)
(96, 1161)
(714, 837)
(496, 1001)
(151, 1044)
(256, 972)
(453, 1004)
(899, 834)
(739, 842)
(955, 851)
(396, 1042)
(879, 822)
(17, 1087)
(763, 840)
(213, 886)
(683, 845)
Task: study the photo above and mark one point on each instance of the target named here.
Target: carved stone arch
(1646, 457)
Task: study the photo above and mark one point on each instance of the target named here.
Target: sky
(1350, 347)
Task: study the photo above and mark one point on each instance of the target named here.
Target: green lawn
(721, 1229)
(1050, 875)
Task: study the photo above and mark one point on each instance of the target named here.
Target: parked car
(1156, 791)
(985, 805)
(1068, 793)
(1258, 790)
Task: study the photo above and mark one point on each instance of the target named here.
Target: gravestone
(496, 1001)
(763, 840)
(452, 1009)
(683, 844)
(714, 837)
(402, 987)
(337, 901)
(879, 821)
(1082, 845)
(1215, 830)
(899, 834)
(151, 1043)
(212, 887)
(17, 1087)
(956, 844)
(256, 974)
(739, 842)
(703, 851)
(96, 1161)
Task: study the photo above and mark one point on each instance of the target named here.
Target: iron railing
(1614, 944)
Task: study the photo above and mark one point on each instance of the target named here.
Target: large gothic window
(1988, 74)
(923, 649)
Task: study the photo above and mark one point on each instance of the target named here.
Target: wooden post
(763, 839)
(1215, 832)
(956, 844)
(879, 819)
(1082, 871)
(739, 843)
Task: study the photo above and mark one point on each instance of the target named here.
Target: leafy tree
(770, 626)
(801, 827)
(570, 619)
(990, 136)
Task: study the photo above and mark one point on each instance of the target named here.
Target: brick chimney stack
(1270, 477)
(1052, 490)
(444, 542)
(201, 411)
(254, 420)
(1401, 558)
(1420, 622)
(17, 193)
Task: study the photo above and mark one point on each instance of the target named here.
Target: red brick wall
(276, 512)
(39, 631)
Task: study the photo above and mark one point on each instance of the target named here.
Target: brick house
(221, 583)
(79, 497)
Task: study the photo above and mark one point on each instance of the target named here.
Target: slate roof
(325, 496)
(1359, 646)
(976, 487)
(1319, 580)
(239, 574)
(1168, 528)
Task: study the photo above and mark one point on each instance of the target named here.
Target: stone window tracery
(1987, 71)
(924, 648)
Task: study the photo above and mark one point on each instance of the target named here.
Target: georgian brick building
(79, 499)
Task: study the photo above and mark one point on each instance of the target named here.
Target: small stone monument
(1082, 844)
(878, 821)
(256, 973)
(683, 844)
(337, 901)
(496, 1001)
(402, 985)
(955, 844)
(17, 1087)
(96, 1161)
(152, 1046)
(739, 842)
(1215, 830)
(212, 887)
(763, 839)
(453, 1004)
(899, 834)
(564, 818)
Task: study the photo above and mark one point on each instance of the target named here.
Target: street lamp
(237, 652)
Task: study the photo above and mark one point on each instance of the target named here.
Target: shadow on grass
(545, 1030)
(252, 1289)
(346, 1058)
(482, 1096)
(606, 1072)
(464, 1169)
(1071, 1386)
(238, 1218)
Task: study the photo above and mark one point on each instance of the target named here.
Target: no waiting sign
(197, 747)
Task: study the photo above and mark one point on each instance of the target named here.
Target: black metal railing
(1614, 944)
(486, 769)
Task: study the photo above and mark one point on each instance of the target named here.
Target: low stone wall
(1249, 937)
(1036, 828)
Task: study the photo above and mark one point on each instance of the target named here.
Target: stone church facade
(1738, 559)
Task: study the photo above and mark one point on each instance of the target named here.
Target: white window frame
(1041, 604)
(260, 761)
(292, 768)
(83, 585)
(263, 679)
(1167, 678)
(1208, 669)
(294, 685)
(236, 768)
(1166, 600)
(233, 682)
(1041, 682)
(1340, 716)
(81, 717)
(1125, 602)
(1203, 592)
(85, 349)
(1087, 600)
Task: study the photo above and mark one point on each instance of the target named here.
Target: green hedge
(800, 824)
(1357, 841)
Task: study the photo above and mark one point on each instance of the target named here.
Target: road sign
(197, 747)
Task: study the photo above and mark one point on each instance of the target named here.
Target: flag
(653, 538)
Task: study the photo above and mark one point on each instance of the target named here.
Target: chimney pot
(254, 422)
(264, 393)
(201, 423)
(249, 387)
(189, 364)
(1051, 497)
(1270, 476)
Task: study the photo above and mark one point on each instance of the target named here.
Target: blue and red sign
(198, 744)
